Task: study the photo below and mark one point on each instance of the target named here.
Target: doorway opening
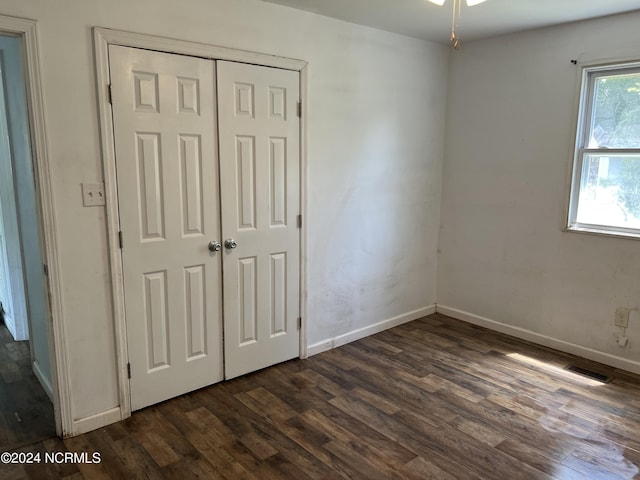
(26, 407)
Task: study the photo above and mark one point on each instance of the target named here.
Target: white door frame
(103, 37)
(28, 31)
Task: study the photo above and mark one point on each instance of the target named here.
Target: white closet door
(260, 197)
(168, 188)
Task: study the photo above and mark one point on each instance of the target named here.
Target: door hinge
(120, 239)
(300, 109)
(45, 269)
(110, 93)
(299, 323)
(128, 370)
(299, 221)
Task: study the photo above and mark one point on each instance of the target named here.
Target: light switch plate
(93, 194)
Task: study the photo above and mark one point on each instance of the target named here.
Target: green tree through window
(616, 124)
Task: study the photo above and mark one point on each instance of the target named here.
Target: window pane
(615, 120)
(610, 191)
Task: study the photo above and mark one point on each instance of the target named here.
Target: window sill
(603, 231)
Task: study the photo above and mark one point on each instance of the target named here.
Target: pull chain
(455, 24)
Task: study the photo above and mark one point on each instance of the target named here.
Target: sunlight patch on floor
(555, 370)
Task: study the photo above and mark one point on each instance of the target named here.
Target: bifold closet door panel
(164, 111)
(259, 133)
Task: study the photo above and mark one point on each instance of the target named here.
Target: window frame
(588, 75)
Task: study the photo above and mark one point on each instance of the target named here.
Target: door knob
(214, 246)
(230, 243)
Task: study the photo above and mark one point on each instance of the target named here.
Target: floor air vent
(589, 373)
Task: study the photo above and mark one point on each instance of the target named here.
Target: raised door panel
(156, 318)
(246, 181)
(150, 186)
(248, 301)
(191, 185)
(278, 182)
(278, 289)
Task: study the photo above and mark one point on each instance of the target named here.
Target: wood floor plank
(427, 470)
(475, 455)
(194, 469)
(533, 457)
(591, 470)
(399, 432)
(350, 431)
(610, 458)
(479, 432)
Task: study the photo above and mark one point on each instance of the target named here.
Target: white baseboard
(99, 420)
(524, 334)
(44, 381)
(369, 330)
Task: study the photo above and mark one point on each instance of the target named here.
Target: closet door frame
(104, 37)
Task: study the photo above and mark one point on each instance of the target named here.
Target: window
(605, 193)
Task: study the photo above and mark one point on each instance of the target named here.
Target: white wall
(508, 148)
(26, 207)
(375, 156)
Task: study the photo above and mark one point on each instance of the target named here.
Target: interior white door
(168, 194)
(260, 197)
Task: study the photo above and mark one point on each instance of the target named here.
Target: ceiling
(421, 19)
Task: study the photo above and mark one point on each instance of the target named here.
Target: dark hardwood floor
(435, 398)
(26, 413)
